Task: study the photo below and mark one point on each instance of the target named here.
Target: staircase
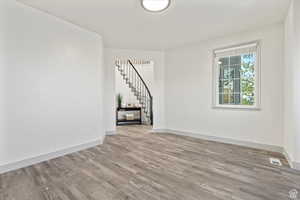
(138, 86)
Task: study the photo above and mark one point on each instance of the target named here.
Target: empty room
(150, 100)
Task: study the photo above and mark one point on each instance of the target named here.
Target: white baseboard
(41, 158)
(223, 140)
(111, 133)
(288, 158)
(158, 130)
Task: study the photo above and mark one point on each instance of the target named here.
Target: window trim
(257, 68)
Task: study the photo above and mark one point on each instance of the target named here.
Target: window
(236, 76)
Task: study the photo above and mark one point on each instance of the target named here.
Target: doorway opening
(134, 96)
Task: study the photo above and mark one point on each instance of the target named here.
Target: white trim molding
(293, 164)
(223, 140)
(48, 156)
(111, 133)
(288, 158)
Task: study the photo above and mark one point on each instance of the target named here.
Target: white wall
(188, 86)
(292, 83)
(2, 83)
(147, 73)
(51, 97)
(157, 57)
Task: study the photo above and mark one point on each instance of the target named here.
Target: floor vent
(275, 161)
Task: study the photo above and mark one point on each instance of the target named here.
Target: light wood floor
(137, 165)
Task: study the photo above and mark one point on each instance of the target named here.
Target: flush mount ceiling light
(155, 5)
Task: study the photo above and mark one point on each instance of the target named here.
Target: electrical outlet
(275, 161)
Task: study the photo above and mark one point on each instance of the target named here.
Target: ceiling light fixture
(155, 5)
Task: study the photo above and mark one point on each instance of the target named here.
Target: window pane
(229, 80)
(248, 79)
(236, 80)
(226, 70)
(237, 72)
(224, 61)
(235, 60)
(228, 86)
(226, 98)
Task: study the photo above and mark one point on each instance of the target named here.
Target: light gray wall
(51, 94)
(292, 83)
(188, 86)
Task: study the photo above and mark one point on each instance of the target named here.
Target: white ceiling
(125, 24)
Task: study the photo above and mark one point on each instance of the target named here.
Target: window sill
(237, 107)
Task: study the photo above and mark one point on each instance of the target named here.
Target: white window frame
(257, 95)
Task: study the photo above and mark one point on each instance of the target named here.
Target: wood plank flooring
(137, 165)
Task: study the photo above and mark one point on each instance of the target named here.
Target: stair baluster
(138, 86)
